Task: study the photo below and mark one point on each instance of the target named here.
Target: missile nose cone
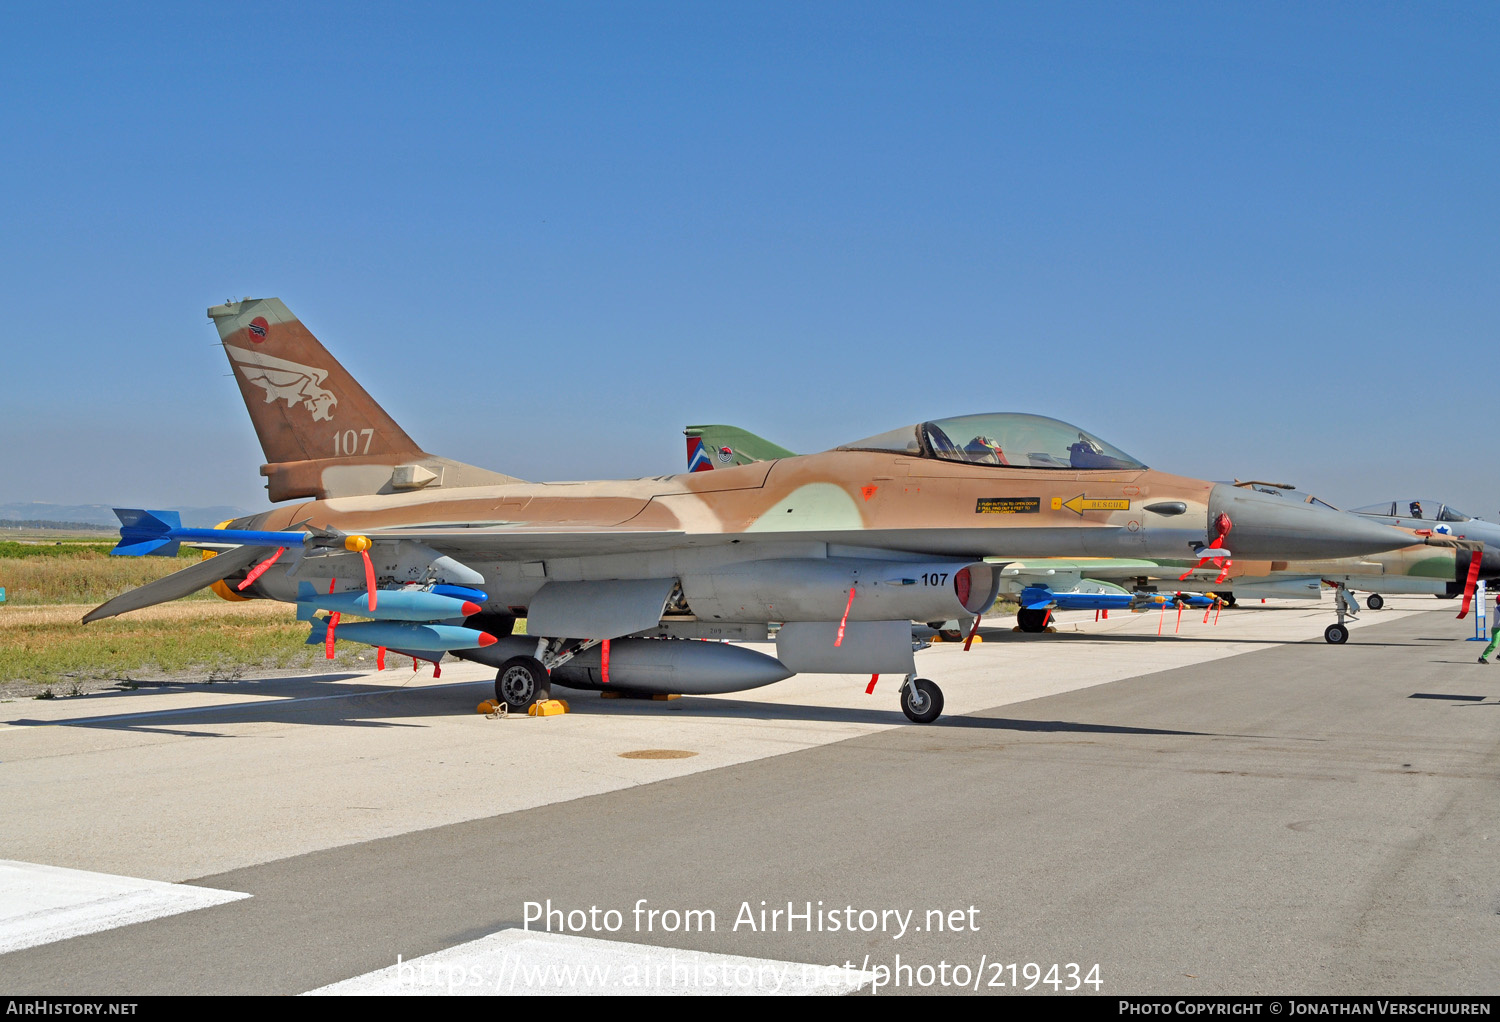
(486, 639)
(469, 609)
(1267, 527)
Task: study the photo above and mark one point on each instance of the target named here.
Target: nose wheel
(921, 700)
(1336, 634)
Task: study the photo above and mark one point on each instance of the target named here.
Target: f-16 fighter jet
(833, 553)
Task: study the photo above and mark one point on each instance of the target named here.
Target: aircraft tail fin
(322, 433)
(720, 446)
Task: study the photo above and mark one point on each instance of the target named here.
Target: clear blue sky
(1255, 240)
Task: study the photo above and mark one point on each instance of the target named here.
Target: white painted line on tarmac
(516, 961)
(42, 904)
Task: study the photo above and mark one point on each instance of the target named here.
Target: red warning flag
(1474, 560)
(839, 640)
(260, 569)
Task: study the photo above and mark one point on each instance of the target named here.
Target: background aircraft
(836, 553)
(1443, 519)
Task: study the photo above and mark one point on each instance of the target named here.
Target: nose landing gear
(1343, 603)
(921, 700)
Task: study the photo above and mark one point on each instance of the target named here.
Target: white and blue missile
(392, 604)
(403, 635)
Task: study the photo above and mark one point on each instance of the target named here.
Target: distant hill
(47, 524)
(37, 515)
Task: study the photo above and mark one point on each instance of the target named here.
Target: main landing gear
(1032, 620)
(921, 700)
(522, 681)
(1374, 601)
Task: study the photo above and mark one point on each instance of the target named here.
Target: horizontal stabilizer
(181, 583)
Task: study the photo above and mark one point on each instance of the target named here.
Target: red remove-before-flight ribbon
(369, 577)
(1222, 525)
(260, 569)
(1474, 559)
(333, 622)
(839, 640)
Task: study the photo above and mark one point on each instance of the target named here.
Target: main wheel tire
(1375, 602)
(522, 681)
(1228, 599)
(1336, 634)
(1031, 620)
(926, 706)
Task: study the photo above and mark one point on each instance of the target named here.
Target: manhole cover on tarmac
(657, 754)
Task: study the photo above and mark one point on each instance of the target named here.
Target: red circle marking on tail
(258, 329)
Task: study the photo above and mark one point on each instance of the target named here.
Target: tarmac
(1230, 808)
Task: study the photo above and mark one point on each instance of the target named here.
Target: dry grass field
(45, 649)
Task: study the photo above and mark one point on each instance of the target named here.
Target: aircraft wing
(181, 583)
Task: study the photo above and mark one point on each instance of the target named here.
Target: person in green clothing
(1484, 657)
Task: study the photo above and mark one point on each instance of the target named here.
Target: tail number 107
(935, 578)
(348, 442)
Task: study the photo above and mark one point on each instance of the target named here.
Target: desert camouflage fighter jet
(833, 553)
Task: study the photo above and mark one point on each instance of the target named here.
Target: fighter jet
(1436, 518)
(835, 554)
(1441, 559)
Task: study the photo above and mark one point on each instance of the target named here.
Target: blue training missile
(391, 604)
(1042, 598)
(158, 534)
(403, 635)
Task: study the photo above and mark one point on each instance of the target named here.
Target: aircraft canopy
(1001, 438)
(1431, 510)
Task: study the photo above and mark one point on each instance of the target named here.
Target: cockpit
(1422, 510)
(1009, 439)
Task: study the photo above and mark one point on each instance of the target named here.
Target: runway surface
(1226, 810)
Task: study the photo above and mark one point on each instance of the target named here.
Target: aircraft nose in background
(1266, 527)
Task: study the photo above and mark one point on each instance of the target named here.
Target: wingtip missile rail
(160, 533)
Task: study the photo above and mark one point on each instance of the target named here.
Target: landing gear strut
(1343, 603)
(921, 700)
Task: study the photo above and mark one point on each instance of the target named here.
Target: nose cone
(1489, 563)
(1274, 528)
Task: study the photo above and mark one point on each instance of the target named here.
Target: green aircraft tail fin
(720, 446)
